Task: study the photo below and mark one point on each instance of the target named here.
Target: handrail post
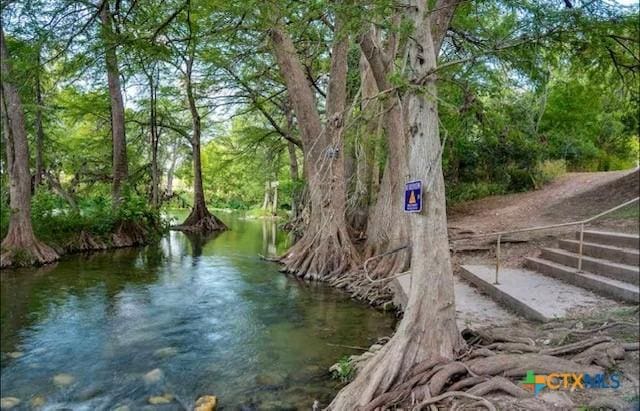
(497, 259)
(580, 247)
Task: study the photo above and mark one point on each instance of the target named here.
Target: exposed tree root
(499, 384)
(494, 363)
(604, 327)
(325, 253)
(575, 347)
(371, 283)
(496, 335)
(129, 233)
(604, 403)
(467, 382)
(390, 261)
(201, 221)
(85, 242)
(604, 354)
(355, 283)
(20, 254)
(450, 394)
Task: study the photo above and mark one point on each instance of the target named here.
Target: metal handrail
(499, 234)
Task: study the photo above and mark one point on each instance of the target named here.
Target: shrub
(55, 221)
(472, 191)
(549, 170)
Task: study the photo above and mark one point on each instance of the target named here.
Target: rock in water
(153, 376)
(160, 399)
(7, 403)
(15, 354)
(37, 401)
(206, 403)
(270, 379)
(63, 379)
(165, 352)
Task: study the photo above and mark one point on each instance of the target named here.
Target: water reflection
(207, 312)
(198, 241)
(269, 243)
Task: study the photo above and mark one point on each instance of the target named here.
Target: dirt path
(571, 197)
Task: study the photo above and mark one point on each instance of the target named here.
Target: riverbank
(72, 231)
(87, 224)
(126, 234)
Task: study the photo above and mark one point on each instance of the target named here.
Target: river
(185, 317)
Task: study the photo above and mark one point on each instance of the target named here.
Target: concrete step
(610, 238)
(530, 294)
(473, 309)
(605, 252)
(608, 287)
(621, 272)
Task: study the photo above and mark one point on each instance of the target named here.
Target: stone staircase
(551, 286)
(610, 264)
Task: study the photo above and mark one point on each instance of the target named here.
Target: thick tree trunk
(366, 153)
(325, 250)
(119, 165)
(200, 220)
(361, 156)
(20, 246)
(39, 171)
(428, 329)
(387, 229)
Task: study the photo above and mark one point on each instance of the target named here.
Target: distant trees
(138, 96)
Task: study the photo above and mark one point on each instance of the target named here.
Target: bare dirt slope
(573, 196)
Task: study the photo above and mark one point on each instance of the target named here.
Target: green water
(209, 313)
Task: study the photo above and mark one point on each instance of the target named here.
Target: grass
(345, 370)
(630, 212)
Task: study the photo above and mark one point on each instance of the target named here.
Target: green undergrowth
(510, 180)
(462, 192)
(345, 371)
(57, 223)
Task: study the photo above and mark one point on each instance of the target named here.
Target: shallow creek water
(208, 313)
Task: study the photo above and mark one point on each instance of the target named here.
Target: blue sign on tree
(413, 196)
